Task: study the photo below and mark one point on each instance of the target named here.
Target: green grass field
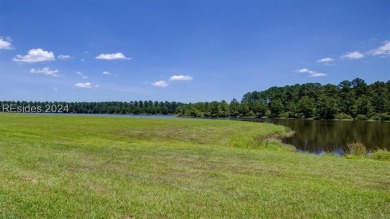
(55, 166)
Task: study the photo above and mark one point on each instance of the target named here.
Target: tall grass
(381, 154)
(356, 149)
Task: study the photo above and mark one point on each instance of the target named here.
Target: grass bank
(105, 167)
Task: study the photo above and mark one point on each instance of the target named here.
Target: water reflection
(332, 136)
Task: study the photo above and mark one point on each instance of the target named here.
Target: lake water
(319, 136)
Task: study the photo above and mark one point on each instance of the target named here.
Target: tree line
(348, 100)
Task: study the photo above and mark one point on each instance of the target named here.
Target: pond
(319, 136)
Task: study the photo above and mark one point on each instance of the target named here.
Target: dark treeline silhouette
(348, 100)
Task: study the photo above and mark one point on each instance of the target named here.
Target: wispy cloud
(64, 57)
(83, 85)
(81, 75)
(353, 55)
(35, 55)
(112, 56)
(5, 43)
(106, 73)
(382, 50)
(180, 78)
(160, 84)
(45, 71)
(325, 60)
(311, 73)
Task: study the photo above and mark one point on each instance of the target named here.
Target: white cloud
(325, 60)
(160, 84)
(382, 50)
(353, 55)
(35, 55)
(83, 85)
(317, 74)
(173, 78)
(45, 71)
(106, 73)
(311, 73)
(5, 43)
(180, 78)
(112, 56)
(64, 57)
(303, 70)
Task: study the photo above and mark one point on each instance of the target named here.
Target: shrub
(381, 154)
(375, 117)
(385, 116)
(357, 149)
(360, 117)
(284, 115)
(342, 116)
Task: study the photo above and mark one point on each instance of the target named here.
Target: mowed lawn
(56, 166)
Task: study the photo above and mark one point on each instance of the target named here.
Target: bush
(385, 116)
(299, 116)
(360, 117)
(342, 116)
(357, 149)
(375, 117)
(284, 115)
(381, 154)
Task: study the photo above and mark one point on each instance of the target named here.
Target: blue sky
(186, 51)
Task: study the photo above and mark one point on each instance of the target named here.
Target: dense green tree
(223, 109)
(360, 86)
(234, 108)
(244, 109)
(259, 109)
(326, 107)
(345, 86)
(364, 106)
(276, 107)
(305, 107)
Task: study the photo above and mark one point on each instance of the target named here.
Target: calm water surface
(332, 136)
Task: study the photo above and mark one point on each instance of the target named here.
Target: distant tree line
(132, 107)
(348, 100)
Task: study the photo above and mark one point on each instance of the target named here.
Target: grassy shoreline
(107, 167)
